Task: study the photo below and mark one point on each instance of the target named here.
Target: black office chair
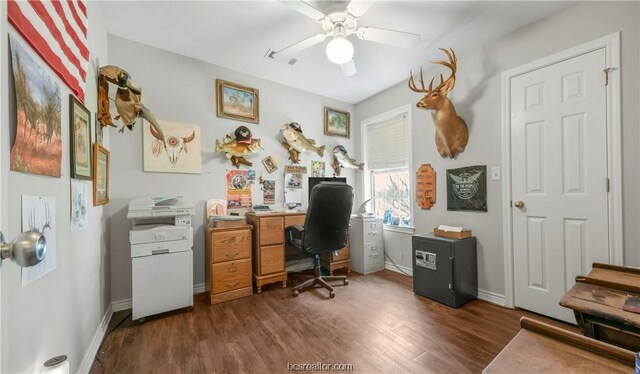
(326, 227)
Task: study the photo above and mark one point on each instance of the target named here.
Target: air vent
(282, 59)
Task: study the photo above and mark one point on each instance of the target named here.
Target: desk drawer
(271, 230)
(271, 259)
(231, 245)
(230, 275)
(294, 220)
(372, 232)
(343, 254)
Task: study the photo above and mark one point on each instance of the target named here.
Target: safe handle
(452, 285)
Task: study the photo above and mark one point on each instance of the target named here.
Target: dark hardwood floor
(376, 323)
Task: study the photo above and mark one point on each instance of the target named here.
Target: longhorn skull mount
(452, 133)
(173, 145)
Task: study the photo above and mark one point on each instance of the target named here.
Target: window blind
(388, 144)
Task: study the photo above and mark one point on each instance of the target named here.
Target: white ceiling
(238, 34)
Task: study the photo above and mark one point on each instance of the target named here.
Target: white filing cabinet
(366, 244)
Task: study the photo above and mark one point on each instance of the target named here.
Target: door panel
(559, 171)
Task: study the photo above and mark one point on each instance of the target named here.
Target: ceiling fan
(338, 23)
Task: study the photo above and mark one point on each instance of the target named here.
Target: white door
(559, 171)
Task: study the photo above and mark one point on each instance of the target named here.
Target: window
(388, 150)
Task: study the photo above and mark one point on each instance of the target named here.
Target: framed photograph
(337, 122)
(269, 164)
(237, 102)
(100, 175)
(80, 130)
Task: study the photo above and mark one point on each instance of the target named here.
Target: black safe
(444, 269)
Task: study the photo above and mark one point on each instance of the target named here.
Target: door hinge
(606, 75)
(608, 184)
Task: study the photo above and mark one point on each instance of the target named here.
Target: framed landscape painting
(237, 102)
(80, 130)
(100, 175)
(337, 122)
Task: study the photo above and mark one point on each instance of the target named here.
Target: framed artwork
(100, 175)
(269, 164)
(237, 102)
(80, 130)
(37, 148)
(337, 122)
(179, 151)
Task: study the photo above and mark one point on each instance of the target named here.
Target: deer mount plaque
(425, 186)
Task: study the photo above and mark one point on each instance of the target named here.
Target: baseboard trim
(125, 304)
(90, 354)
(492, 297)
(390, 266)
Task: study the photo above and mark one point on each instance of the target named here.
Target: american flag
(57, 31)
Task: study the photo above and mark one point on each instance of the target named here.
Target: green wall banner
(467, 188)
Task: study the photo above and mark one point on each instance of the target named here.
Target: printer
(161, 255)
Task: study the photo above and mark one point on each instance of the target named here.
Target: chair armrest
(296, 228)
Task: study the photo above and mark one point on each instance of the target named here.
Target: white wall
(477, 100)
(59, 313)
(181, 89)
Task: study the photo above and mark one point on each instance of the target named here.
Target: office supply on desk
(161, 255)
(542, 348)
(452, 232)
(444, 269)
(228, 263)
(225, 221)
(326, 228)
(598, 299)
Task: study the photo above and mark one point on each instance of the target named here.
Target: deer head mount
(451, 131)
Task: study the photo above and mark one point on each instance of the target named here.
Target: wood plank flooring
(376, 323)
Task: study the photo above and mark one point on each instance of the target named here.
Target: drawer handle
(374, 247)
(232, 254)
(373, 255)
(230, 285)
(372, 232)
(231, 239)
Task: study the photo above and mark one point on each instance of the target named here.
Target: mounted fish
(236, 149)
(297, 143)
(128, 104)
(342, 160)
(452, 133)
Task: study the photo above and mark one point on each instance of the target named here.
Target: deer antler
(447, 84)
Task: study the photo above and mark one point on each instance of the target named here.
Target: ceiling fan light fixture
(339, 50)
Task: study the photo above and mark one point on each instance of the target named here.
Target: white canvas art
(39, 213)
(177, 150)
(79, 205)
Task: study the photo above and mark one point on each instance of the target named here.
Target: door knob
(519, 204)
(28, 249)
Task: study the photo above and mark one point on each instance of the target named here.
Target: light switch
(495, 173)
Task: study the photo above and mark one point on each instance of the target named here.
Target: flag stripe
(57, 31)
(70, 31)
(57, 36)
(83, 8)
(76, 17)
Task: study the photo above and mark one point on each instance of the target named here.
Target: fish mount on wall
(452, 133)
(237, 149)
(341, 160)
(297, 143)
(128, 101)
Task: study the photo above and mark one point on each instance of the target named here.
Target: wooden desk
(542, 348)
(269, 247)
(597, 300)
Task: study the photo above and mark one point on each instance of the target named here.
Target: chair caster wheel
(332, 294)
(296, 293)
(346, 281)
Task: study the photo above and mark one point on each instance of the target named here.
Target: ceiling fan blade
(306, 9)
(357, 8)
(349, 68)
(391, 37)
(287, 53)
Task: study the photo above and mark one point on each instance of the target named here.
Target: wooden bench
(597, 301)
(542, 348)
